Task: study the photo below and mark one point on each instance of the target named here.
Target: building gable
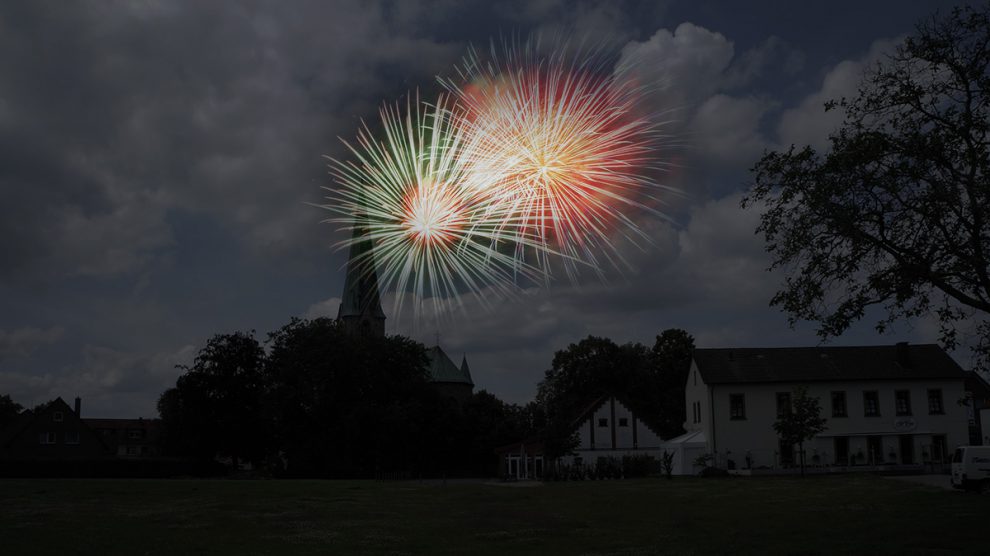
(52, 431)
(609, 423)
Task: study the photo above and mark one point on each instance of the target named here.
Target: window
(47, 438)
(737, 406)
(132, 450)
(57, 417)
(871, 403)
(72, 437)
(696, 406)
(783, 403)
(935, 406)
(603, 422)
(623, 422)
(135, 434)
(902, 402)
(839, 404)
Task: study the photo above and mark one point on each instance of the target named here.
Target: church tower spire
(360, 304)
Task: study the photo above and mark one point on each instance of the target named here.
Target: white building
(885, 405)
(608, 428)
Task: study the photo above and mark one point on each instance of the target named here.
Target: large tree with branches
(895, 213)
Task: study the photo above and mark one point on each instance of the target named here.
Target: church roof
(465, 370)
(442, 369)
(361, 294)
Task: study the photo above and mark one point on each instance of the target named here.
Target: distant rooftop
(443, 369)
(899, 361)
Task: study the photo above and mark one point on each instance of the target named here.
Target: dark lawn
(852, 514)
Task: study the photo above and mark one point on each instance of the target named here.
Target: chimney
(902, 354)
(78, 406)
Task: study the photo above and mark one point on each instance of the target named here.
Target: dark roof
(465, 370)
(100, 423)
(899, 361)
(442, 369)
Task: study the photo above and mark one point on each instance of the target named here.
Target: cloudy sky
(157, 161)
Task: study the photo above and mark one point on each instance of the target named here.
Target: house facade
(610, 429)
(884, 405)
(607, 430)
(129, 438)
(53, 432)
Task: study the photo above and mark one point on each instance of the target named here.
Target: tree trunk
(801, 454)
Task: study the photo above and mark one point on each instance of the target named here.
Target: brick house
(52, 431)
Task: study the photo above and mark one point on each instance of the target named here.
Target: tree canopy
(895, 214)
(216, 406)
(9, 409)
(650, 380)
(346, 404)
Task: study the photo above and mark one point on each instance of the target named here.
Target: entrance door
(907, 449)
(514, 467)
(874, 450)
(842, 450)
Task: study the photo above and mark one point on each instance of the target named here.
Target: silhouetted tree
(672, 354)
(216, 406)
(346, 404)
(9, 410)
(897, 213)
(801, 422)
(487, 423)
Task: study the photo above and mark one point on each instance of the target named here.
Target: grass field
(853, 514)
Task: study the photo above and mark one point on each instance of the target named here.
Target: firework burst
(561, 145)
(433, 236)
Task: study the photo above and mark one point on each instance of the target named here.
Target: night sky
(159, 162)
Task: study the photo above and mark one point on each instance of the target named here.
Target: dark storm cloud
(156, 158)
(214, 108)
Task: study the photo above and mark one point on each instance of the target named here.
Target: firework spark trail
(432, 236)
(540, 159)
(557, 144)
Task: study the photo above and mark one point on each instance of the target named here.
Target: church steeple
(361, 304)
